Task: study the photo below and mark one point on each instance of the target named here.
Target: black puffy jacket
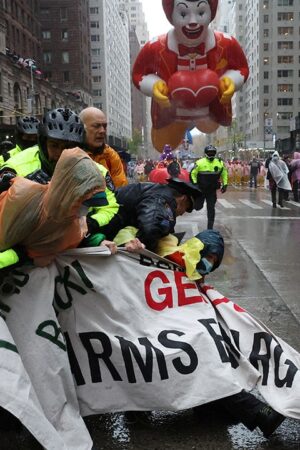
(151, 208)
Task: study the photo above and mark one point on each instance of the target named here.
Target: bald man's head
(95, 125)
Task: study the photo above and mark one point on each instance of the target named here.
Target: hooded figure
(48, 219)
(279, 172)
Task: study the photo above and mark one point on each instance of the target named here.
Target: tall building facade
(66, 45)
(24, 90)
(109, 31)
(140, 104)
(272, 35)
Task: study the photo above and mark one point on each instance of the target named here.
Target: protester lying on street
(48, 219)
(201, 255)
(152, 208)
(60, 129)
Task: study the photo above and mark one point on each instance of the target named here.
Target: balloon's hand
(160, 93)
(227, 89)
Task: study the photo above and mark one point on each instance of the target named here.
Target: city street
(260, 272)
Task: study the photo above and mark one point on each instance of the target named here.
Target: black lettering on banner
(54, 338)
(128, 348)
(86, 339)
(188, 349)
(75, 368)
(255, 355)
(234, 354)
(221, 339)
(4, 309)
(147, 261)
(291, 371)
(10, 283)
(68, 285)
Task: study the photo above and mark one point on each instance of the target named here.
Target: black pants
(243, 407)
(280, 195)
(296, 190)
(211, 199)
(253, 179)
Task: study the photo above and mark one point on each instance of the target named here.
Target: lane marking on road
(268, 202)
(194, 226)
(294, 203)
(250, 204)
(225, 203)
(260, 217)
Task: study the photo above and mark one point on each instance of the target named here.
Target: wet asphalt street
(260, 272)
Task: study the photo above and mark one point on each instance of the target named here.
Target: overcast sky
(155, 17)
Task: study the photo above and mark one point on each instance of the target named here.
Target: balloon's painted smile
(193, 33)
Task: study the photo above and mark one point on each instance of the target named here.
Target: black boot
(252, 412)
(268, 420)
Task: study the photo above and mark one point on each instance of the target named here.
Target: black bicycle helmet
(62, 124)
(210, 151)
(27, 125)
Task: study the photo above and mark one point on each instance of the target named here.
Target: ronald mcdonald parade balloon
(191, 73)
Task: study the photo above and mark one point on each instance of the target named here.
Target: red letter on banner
(183, 300)
(166, 291)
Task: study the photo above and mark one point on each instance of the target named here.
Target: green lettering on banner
(51, 337)
(68, 285)
(4, 309)
(8, 346)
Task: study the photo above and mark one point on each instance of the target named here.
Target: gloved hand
(39, 176)
(160, 93)
(224, 189)
(93, 226)
(227, 89)
(5, 180)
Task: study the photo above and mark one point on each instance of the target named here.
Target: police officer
(207, 173)
(26, 136)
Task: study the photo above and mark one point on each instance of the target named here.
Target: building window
(66, 77)
(63, 14)
(97, 93)
(95, 37)
(266, 61)
(285, 59)
(284, 115)
(65, 57)
(64, 35)
(47, 57)
(285, 16)
(285, 88)
(94, 10)
(285, 45)
(46, 34)
(284, 101)
(45, 11)
(97, 79)
(266, 47)
(266, 75)
(95, 51)
(94, 24)
(285, 2)
(266, 33)
(285, 31)
(266, 89)
(266, 18)
(285, 73)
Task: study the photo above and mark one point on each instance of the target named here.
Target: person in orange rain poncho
(48, 219)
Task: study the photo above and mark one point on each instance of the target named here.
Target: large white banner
(139, 336)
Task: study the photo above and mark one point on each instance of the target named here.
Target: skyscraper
(66, 45)
(111, 67)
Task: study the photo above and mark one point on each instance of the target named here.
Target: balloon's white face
(190, 20)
